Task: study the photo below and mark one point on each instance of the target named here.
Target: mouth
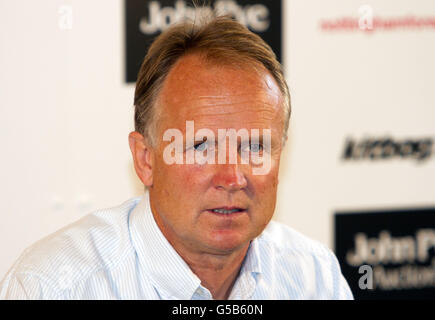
(227, 211)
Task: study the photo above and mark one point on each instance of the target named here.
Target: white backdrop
(65, 113)
(355, 84)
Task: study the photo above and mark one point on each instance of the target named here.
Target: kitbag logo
(387, 148)
(145, 20)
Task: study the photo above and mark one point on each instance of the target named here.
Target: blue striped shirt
(120, 253)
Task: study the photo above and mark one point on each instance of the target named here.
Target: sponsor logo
(387, 254)
(405, 251)
(145, 20)
(256, 16)
(387, 148)
(368, 21)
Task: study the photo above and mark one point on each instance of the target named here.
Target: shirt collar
(252, 263)
(169, 273)
(249, 274)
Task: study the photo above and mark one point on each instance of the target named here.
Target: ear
(142, 153)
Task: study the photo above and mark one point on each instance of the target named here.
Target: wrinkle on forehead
(224, 98)
(266, 112)
(197, 89)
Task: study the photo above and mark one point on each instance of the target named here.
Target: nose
(229, 177)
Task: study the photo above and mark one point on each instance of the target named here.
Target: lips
(227, 210)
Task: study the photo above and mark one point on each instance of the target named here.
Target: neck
(218, 273)
(217, 270)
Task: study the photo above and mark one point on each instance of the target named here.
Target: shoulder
(286, 240)
(98, 241)
(307, 269)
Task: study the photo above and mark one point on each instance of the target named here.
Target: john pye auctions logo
(398, 262)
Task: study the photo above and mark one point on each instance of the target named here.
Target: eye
(253, 148)
(256, 147)
(201, 146)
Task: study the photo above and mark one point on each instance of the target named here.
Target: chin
(227, 241)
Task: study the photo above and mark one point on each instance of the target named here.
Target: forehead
(196, 88)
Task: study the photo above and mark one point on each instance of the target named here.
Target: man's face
(183, 196)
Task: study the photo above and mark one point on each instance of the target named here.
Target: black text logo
(387, 254)
(256, 17)
(145, 20)
(387, 148)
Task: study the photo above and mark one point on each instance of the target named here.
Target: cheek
(266, 185)
(265, 189)
(186, 180)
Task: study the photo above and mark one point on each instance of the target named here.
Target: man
(203, 228)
